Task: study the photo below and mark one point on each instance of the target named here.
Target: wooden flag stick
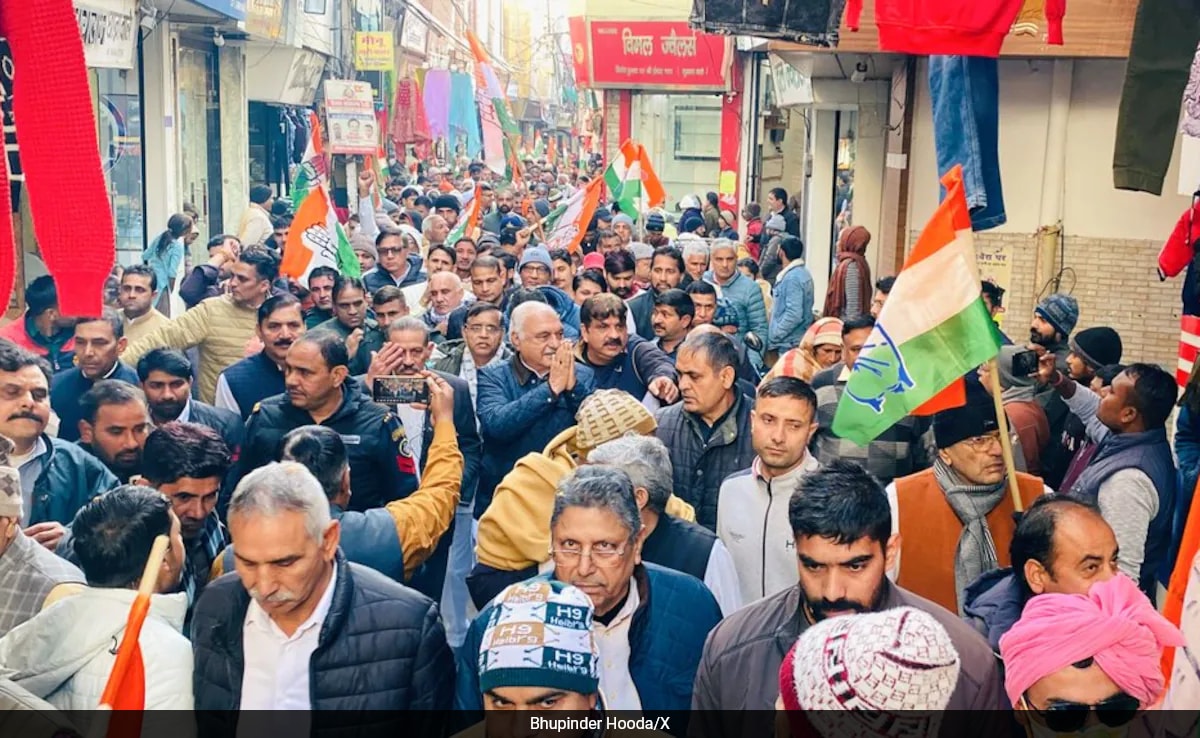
(1010, 466)
(158, 553)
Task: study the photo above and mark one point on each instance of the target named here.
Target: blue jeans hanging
(965, 96)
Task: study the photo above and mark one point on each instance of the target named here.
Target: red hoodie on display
(954, 27)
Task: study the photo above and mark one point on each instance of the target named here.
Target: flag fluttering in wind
(314, 169)
(933, 330)
(467, 222)
(632, 181)
(493, 109)
(572, 224)
(317, 239)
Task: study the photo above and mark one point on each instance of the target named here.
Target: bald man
(446, 294)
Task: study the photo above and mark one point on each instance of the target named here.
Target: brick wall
(1116, 285)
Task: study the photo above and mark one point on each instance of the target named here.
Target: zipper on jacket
(766, 525)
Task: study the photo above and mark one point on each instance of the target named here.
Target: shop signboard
(580, 48)
(658, 55)
(791, 78)
(415, 34)
(264, 18)
(235, 9)
(350, 117)
(109, 32)
(373, 51)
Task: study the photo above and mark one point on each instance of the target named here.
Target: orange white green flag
(572, 223)
(933, 330)
(317, 239)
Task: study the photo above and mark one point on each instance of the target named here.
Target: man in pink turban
(1070, 655)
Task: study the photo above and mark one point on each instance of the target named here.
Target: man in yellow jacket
(222, 328)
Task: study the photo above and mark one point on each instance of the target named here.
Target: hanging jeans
(965, 96)
(1165, 34)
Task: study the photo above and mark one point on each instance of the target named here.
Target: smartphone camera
(401, 390)
(1025, 363)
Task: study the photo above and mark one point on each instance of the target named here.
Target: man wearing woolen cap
(449, 207)
(959, 511)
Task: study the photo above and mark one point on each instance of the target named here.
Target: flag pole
(1010, 466)
(154, 563)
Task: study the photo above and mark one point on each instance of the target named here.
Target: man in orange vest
(956, 519)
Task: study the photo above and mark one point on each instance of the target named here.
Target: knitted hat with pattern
(609, 414)
(11, 502)
(891, 661)
(539, 634)
(1060, 311)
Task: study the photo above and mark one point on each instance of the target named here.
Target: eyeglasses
(982, 443)
(1069, 717)
(390, 252)
(489, 330)
(604, 555)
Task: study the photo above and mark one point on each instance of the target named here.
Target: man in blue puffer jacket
(650, 622)
(742, 292)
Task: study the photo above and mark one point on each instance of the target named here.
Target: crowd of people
(623, 493)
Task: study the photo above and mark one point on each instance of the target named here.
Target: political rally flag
(493, 109)
(313, 169)
(573, 222)
(468, 221)
(317, 239)
(933, 330)
(632, 181)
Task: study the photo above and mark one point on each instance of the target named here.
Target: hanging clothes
(464, 114)
(15, 178)
(409, 122)
(437, 101)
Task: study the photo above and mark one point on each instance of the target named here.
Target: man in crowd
(622, 225)
(667, 540)
(465, 251)
(535, 267)
(619, 360)
(320, 391)
(446, 295)
(397, 266)
(650, 622)
(708, 433)
(671, 320)
(187, 463)
(1132, 477)
(506, 200)
(281, 634)
(65, 653)
(752, 518)
(482, 345)
(695, 259)
(666, 271)
(31, 576)
(166, 378)
(113, 426)
(741, 291)
(221, 327)
(899, 451)
(259, 376)
(57, 477)
(139, 287)
(448, 207)
(320, 286)
(705, 302)
(43, 330)
(844, 545)
(777, 204)
(956, 519)
(1054, 319)
(489, 284)
(208, 280)
(352, 324)
(883, 287)
(528, 401)
(255, 224)
(792, 309)
(564, 269)
(389, 305)
(607, 242)
(1060, 545)
(435, 230)
(619, 271)
(98, 344)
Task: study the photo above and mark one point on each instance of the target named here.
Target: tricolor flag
(317, 239)
(468, 221)
(933, 330)
(314, 169)
(493, 109)
(1189, 347)
(632, 181)
(573, 222)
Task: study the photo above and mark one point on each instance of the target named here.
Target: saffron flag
(314, 169)
(632, 181)
(317, 239)
(933, 330)
(493, 109)
(573, 222)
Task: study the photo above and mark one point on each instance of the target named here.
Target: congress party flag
(571, 225)
(467, 222)
(493, 109)
(313, 169)
(317, 239)
(933, 330)
(632, 181)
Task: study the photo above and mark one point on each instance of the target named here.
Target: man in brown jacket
(844, 544)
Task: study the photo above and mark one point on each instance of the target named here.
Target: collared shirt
(413, 421)
(277, 668)
(29, 467)
(612, 640)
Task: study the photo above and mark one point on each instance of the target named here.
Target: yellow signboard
(373, 51)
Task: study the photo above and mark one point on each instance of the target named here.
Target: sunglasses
(1070, 717)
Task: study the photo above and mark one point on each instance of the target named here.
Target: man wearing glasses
(649, 622)
(397, 265)
(482, 345)
(959, 511)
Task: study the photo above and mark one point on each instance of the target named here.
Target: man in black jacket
(320, 391)
(317, 634)
(666, 272)
(619, 360)
(166, 377)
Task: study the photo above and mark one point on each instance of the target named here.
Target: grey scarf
(976, 551)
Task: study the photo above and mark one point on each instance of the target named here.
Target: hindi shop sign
(350, 117)
(658, 55)
(108, 31)
(373, 51)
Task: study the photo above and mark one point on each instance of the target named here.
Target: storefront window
(199, 143)
(683, 134)
(119, 118)
(843, 176)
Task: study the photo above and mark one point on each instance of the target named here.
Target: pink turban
(1114, 624)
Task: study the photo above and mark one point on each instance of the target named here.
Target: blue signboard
(235, 9)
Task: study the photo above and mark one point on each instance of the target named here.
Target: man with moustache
(255, 378)
(98, 344)
(114, 426)
(619, 360)
(506, 200)
(672, 321)
(844, 546)
(666, 272)
(57, 477)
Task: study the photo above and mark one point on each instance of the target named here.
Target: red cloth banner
(581, 58)
(661, 55)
